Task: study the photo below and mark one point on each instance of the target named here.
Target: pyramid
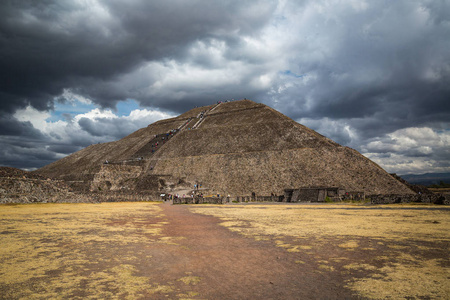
(237, 148)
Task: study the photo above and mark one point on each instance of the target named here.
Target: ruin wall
(200, 200)
(114, 177)
(416, 198)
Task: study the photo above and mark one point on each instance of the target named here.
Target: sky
(371, 75)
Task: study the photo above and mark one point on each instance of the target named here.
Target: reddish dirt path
(231, 266)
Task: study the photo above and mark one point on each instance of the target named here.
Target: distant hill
(237, 148)
(427, 179)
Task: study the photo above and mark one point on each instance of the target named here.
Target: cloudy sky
(371, 75)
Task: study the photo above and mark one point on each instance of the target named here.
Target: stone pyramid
(237, 148)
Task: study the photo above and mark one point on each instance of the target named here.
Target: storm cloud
(359, 72)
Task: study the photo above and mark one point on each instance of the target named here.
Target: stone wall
(244, 199)
(259, 199)
(313, 194)
(306, 195)
(26, 190)
(114, 177)
(121, 197)
(200, 200)
(417, 198)
(355, 196)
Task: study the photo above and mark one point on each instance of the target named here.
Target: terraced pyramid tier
(235, 148)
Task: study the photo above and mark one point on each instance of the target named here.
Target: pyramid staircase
(153, 145)
(159, 140)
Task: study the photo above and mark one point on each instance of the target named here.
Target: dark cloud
(65, 149)
(103, 127)
(24, 153)
(10, 126)
(356, 71)
(51, 45)
(387, 68)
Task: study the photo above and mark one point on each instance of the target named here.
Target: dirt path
(221, 264)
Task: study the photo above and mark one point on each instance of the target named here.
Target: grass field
(384, 252)
(62, 251)
(109, 250)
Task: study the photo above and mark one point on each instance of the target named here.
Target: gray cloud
(376, 69)
(12, 127)
(51, 45)
(355, 71)
(113, 129)
(24, 153)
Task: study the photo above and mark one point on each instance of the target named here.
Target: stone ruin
(321, 194)
(233, 148)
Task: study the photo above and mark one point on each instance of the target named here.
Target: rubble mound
(18, 173)
(18, 186)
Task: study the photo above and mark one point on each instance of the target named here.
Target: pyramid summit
(237, 148)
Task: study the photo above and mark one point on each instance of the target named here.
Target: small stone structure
(259, 198)
(313, 194)
(200, 200)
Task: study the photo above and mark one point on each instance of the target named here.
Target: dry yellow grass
(92, 251)
(60, 251)
(190, 280)
(347, 226)
(304, 221)
(411, 277)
